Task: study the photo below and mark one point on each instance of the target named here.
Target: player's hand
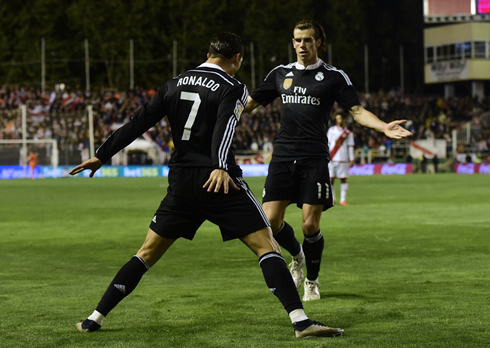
(218, 178)
(395, 131)
(93, 164)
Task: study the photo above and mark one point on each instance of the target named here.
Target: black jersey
(307, 97)
(203, 106)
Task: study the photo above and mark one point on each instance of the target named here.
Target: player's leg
(277, 278)
(284, 234)
(343, 174)
(315, 197)
(313, 245)
(343, 191)
(127, 279)
(331, 170)
(279, 190)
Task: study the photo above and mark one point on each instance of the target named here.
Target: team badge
(238, 109)
(287, 83)
(319, 76)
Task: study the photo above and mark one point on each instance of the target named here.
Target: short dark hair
(319, 32)
(225, 45)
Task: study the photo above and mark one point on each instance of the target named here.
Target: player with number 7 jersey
(203, 106)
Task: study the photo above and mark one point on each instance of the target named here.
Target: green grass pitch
(406, 264)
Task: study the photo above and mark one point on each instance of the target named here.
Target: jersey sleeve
(229, 112)
(346, 94)
(350, 139)
(267, 91)
(140, 122)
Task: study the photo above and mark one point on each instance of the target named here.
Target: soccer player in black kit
(203, 106)
(298, 171)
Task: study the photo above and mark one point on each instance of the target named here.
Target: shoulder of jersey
(286, 67)
(333, 69)
(216, 72)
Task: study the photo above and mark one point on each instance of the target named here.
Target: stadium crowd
(62, 115)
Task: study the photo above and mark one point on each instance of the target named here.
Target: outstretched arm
(251, 105)
(369, 120)
(93, 164)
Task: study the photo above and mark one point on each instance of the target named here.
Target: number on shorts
(193, 97)
(327, 190)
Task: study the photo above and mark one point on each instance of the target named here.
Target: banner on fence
(22, 172)
(383, 169)
(472, 168)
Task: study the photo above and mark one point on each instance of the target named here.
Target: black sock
(286, 239)
(279, 281)
(313, 249)
(123, 284)
(303, 325)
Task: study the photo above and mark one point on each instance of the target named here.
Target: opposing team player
(203, 106)
(341, 145)
(298, 171)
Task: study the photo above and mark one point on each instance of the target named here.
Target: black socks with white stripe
(313, 249)
(279, 281)
(123, 284)
(286, 239)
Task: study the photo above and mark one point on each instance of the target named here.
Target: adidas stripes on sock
(286, 239)
(313, 249)
(279, 281)
(123, 284)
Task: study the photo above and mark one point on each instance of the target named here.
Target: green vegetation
(405, 265)
(108, 25)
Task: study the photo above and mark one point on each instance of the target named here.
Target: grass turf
(405, 265)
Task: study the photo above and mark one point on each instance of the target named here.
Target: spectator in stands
(55, 113)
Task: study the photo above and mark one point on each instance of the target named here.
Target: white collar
(309, 67)
(211, 65)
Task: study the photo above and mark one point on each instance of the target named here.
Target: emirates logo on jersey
(319, 76)
(287, 83)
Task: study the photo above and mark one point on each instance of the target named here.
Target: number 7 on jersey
(193, 97)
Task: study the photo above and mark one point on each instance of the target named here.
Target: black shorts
(187, 205)
(301, 181)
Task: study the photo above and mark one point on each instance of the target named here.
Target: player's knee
(147, 256)
(276, 222)
(310, 227)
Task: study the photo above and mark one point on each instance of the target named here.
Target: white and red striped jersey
(340, 144)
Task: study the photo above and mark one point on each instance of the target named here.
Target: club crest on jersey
(287, 83)
(319, 76)
(238, 109)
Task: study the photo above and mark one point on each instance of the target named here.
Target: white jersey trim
(216, 73)
(309, 67)
(341, 72)
(289, 66)
(226, 142)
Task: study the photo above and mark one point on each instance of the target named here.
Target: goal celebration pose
(298, 171)
(203, 106)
